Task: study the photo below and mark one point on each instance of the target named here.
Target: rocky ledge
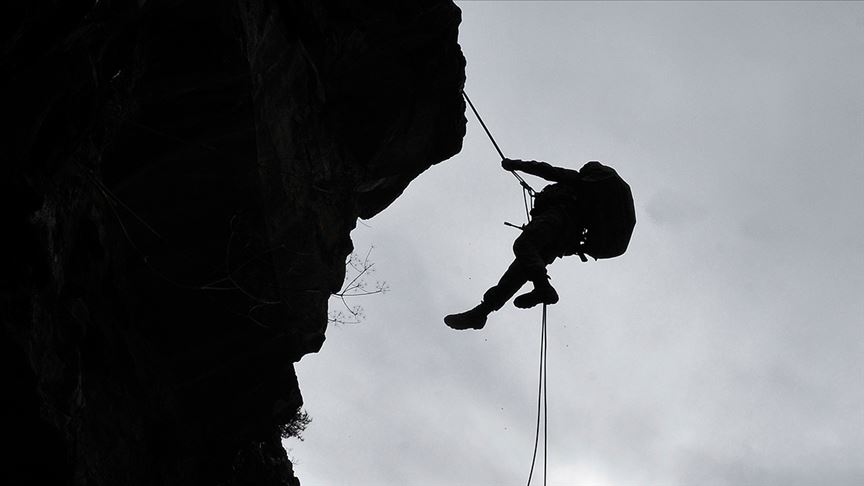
(179, 187)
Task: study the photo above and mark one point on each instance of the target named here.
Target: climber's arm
(541, 169)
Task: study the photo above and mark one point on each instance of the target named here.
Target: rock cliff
(179, 184)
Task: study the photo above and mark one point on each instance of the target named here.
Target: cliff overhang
(180, 186)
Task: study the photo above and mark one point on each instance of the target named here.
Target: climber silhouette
(584, 212)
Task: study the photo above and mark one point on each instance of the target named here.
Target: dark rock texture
(179, 183)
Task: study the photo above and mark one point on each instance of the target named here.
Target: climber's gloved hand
(511, 164)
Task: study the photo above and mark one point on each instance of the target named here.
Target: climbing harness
(528, 194)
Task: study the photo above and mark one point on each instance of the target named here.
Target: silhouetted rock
(179, 187)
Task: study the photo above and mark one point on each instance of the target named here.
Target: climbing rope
(541, 394)
(528, 200)
(527, 191)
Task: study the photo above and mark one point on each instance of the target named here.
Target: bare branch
(356, 286)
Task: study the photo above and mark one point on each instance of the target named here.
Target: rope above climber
(583, 212)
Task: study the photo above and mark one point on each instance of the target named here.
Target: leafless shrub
(357, 284)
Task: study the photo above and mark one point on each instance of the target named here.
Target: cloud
(675, 208)
(723, 349)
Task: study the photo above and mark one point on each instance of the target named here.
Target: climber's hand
(510, 164)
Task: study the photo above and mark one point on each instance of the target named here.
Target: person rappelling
(583, 212)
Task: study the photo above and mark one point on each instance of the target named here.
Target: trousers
(540, 243)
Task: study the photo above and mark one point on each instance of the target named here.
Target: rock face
(178, 189)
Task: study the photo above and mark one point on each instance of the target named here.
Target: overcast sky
(726, 347)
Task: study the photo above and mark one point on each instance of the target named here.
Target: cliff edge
(179, 186)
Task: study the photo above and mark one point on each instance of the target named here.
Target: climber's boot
(543, 293)
(471, 319)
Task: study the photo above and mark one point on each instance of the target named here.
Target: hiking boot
(471, 319)
(543, 293)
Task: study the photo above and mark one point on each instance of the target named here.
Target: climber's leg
(543, 293)
(494, 298)
(535, 248)
(513, 279)
(529, 249)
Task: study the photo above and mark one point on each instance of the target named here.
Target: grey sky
(726, 347)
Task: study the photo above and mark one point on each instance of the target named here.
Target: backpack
(606, 211)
